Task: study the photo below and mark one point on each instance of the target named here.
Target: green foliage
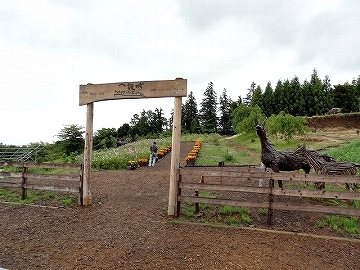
(225, 125)
(117, 158)
(263, 211)
(105, 138)
(38, 197)
(285, 125)
(189, 114)
(341, 224)
(235, 215)
(206, 195)
(212, 152)
(347, 152)
(208, 110)
(71, 139)
(245, 118)
(228, 157)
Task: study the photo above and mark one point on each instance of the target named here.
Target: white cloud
(49, 48)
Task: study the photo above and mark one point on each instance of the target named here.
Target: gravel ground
(127, 227)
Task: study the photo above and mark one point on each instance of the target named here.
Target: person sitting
(153, 154)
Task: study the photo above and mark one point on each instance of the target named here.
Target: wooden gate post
(86, 197)
(175, 157)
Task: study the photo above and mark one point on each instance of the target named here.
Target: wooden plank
(58, 177)
(275, 205)
(317, 209)
(39, 165)
(345, 195)
(52, 165)
(218, 187)
(11, 164)
(296, 177)
(11, 174)
(223, 202)
(51, 188)
(132, 90)
(10, 184)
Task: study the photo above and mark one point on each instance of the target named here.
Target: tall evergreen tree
(189, 112)
(297, 97)
(208, 110)
(257, 98)
(329, 93)
(268, 100)
(309, 101)
(225, 125)
(288, 104)
(250, 94)
(318, 94)
(279, 97)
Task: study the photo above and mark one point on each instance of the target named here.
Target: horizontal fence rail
(49, 182)
(236, 180)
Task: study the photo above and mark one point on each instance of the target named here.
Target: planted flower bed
(191, 157)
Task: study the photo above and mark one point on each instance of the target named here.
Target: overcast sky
(48, 48)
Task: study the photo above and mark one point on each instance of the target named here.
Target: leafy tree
(245, 118)
(225, 125)
(189, 112)
(71, 139)
(208, 109)
(345, 97)
(123, 131)
(285, 125)
(105, 138)
(157, 121)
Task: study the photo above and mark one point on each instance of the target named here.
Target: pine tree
(296, 96)
(329, 93)
(225, 125)
(268, 100)
(318, 94)
(257, 98)
(279, 97)
(208, 109)
(250, 94)
(189, 112)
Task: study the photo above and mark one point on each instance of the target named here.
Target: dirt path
(127, 228)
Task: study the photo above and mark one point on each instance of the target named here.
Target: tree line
(221, 114)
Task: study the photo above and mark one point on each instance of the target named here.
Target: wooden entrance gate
(91, 93)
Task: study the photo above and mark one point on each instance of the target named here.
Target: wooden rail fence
(246, 180)
(51, 182)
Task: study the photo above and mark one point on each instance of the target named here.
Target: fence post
(81, 176)
(177, 214)
(221, 164)
(271, 199)
(24, 182)
(197, 209)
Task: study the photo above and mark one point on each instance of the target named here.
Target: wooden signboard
(131, 90)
